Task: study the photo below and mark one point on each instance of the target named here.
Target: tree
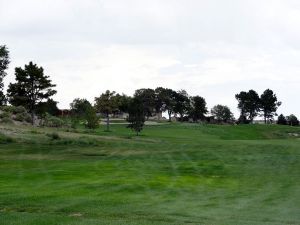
(198, 108)
(107, 104)
(50, 106)
(292, 120)
(4, 61)
(31, 88)
(147, 96)
(123, 102)
(136, 116)
(79, 110)
(281, 120)
(165, 100)
(79, 107)
(249, 105)
(269, 105)
(182, 105)
(222, 113)
(92, 120)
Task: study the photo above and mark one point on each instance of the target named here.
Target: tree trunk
(169, 112)
(32, 117)
(107, 122)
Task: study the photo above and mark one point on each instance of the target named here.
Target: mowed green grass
(172, 174)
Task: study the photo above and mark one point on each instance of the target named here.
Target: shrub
(7, 108)
(23, 117)
(5, 115)
(18, 110)
(52, 121)
(92, 119)
(74, 122)
(53, 136)
(5, 140)
(7, 120)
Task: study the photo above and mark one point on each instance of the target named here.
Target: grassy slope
(173, 174)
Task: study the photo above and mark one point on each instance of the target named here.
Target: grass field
(172, 174)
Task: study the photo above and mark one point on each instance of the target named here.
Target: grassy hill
(172, 174)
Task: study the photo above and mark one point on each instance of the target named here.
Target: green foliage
(50, 107)
(52, 121)
(249, 105)
(281, 120)
(183, 103)
(222, 113)
(165, 100)
(7, 120)
(92, 120)
(53, 136)
(5, 115)
(148, 98)
(30, 80)
(198, 108)
(107, 104)
(5, 139)
(292, 120)
(23, 117)
(4, 61)
(75, 121)
(13, 109)
(136, 116)
(79, 107)
(269, 104)
(8, 108)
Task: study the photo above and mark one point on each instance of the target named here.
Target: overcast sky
(211, 48)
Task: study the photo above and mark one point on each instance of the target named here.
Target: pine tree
(31, 88)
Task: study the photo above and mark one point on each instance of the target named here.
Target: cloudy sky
(211, 48)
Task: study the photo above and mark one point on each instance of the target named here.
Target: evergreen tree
(269, 104)
(4, 61)
(31, 88)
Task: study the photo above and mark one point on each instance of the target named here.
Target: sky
(213, 48)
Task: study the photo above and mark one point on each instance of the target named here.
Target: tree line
(34, 90)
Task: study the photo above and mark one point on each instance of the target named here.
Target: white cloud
(211, 48)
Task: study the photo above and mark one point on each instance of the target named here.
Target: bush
(7, 120)
(23, 117)
(53, 136)
(92, 119)
(74, 122)
(5, 115)
(52, 121)
(8, 108)
(5, 140)
(18, 110)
